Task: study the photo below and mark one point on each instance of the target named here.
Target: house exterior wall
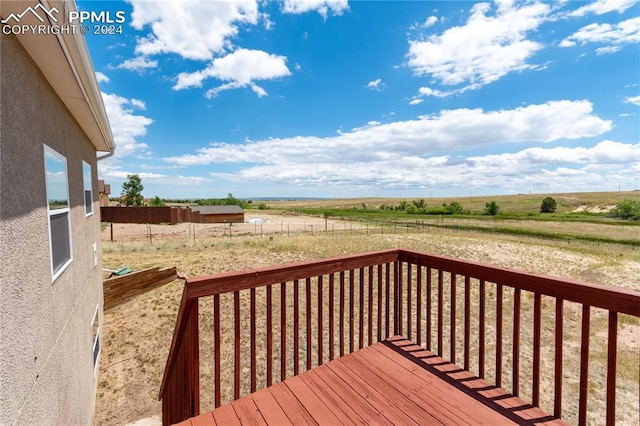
(223, 218)
(46, 335)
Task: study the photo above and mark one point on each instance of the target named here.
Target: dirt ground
(273, 225)
(136, 336)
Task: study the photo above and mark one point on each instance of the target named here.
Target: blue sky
(329, 98)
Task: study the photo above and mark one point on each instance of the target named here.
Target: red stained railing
(404, 291)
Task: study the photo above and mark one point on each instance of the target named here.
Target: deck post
(182, 397)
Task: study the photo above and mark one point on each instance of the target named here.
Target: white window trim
(96, 341)
(67, 210)
(84, 189)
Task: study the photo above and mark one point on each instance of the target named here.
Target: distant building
(104, 191)
(219, 214)
(53, 125)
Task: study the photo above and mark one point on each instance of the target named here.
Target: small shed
(220, 214)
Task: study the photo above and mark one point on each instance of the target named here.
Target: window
(58, 211)
(88, 193)
(95, 326)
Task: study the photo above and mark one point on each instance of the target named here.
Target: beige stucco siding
(46, 364)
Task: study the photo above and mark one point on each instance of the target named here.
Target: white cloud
(416, 101)
(605, 152)
(193, 30)
(615, 35)
(102, 78)
(600, 7)
(431, 21)
(633, 100)
(607, 50)
(138, 63)
(482, 51)
(376, 85)
(558, 169)
(323, 7)
(448, 131)
(126, 125)
(240, 69)
(427, 91)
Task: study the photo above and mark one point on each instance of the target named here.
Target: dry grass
(521, 203)
(137, 335)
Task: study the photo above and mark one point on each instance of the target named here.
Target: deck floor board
(391, 382)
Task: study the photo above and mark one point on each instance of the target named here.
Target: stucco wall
(46, 362)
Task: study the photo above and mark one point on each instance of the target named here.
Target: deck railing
(487, 319)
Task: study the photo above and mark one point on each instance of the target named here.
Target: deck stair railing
(504, 326)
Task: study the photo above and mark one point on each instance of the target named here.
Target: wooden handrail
(397, 287)
(610, 298)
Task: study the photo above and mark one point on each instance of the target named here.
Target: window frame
(88, 186)
(95, 333)
(50, 152)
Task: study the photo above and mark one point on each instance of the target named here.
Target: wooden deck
(392, 382)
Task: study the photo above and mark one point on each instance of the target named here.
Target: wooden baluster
(216, 345)
(236, 364)
(252, 317)
(537, 319)
(419, 304)
(481, 329)
(296, 328)
(379, 302)
(283, 331)
(398, 295)
(370, 313)
(499, 291)
(452, 320)
(361, 306)
(440, 311)
(467, 320)
(612, 350)
(341, 325)
(269, 328)
(351, 307)
(388, 299)
(557, 371)
(429, 303)
(584, 365)
(331, 315)
(309, 331)
(320, 306)
(516, 342)
(409, 301)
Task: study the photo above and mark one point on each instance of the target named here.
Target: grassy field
(137, 335)
(521, 203)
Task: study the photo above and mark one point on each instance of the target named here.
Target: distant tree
(157, 202)
(132, 191)
(453, 208)
(402, 206)
(229, 201)
(548, 205)
(627, 209)
(419, 204)
(491, 208)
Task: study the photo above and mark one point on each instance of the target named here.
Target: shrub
(491, 208)
(157, 202)
(548, 205)
(453, 208)
(627, 209)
